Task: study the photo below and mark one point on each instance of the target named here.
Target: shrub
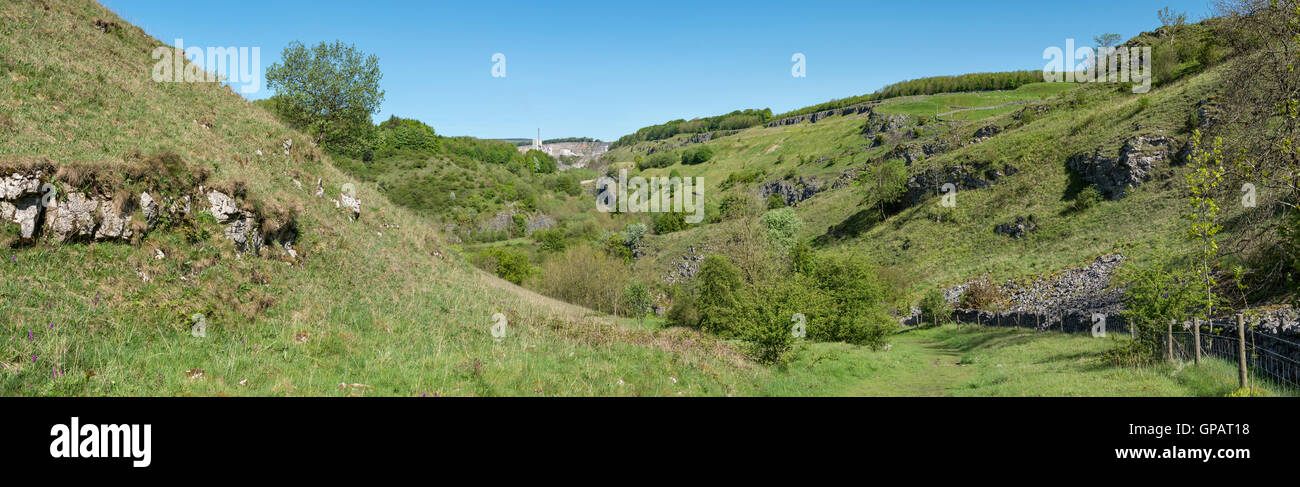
(934, 307)
(1087, 198)
(636, 300)
(982, 295)
(782, 227)
(698, 155)
(683, 311)
(658, 160)
(616, 246)
(775, 201)
(858, 298)
(509, 264)
(719, 302)
(669, 222)
(550, 240)
(1154, 295)
(633, 234)
(585, 276)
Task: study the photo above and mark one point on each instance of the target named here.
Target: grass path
(981, 361)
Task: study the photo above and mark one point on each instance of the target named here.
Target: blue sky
(604, 69)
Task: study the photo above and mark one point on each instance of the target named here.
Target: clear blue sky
(604, 69)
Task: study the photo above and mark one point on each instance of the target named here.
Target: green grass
(936, 104)
(982, 361)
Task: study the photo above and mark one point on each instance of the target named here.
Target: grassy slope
(964, 245)
(369, 303)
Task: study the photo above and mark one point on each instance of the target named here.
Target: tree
(783, 226)
(1108, 39)
(638, 300)
(1203, 181)
(1171, 19)
(330, 91)
(889, 179)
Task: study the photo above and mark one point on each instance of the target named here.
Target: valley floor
(976, 361)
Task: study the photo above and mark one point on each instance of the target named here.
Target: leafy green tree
(934, 307)
(509, 264)
(719, 300)
(889, 184)
(550, 240)
(330, 91)
(783, 226)
(1205, 178)
(636, 297)
(1154, 295)
(1108, 39)
(670, 222)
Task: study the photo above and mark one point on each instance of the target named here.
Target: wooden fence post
(1169, 341)
(1241, 347)
(1196, 338)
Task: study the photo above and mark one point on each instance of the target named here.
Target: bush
(550, 240)
(1154, 295)
(670, 222)
(857, 298)
(719, 302)
(683, 311)
(509, 264)
(1087, 198)
(934, 307)
(782, 225)
(775, 201)
(586, 277)
(657, 160)
(636, 300)
(616, 246)
(982, 295)
(698, 155)
(633, 234)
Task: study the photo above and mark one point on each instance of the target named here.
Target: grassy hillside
(379, 302)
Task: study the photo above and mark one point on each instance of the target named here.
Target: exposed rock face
(913, 152)
(793, 191)
(241, 227)
(964, 177)
(540, 221)
(113, 223)
(884, 124)
(26, 212)
(985, 132)
(353, 203)
(150, 209)
(817, 116)
(1036, 110)
(18, 186)
(1129, 169)
(82, 216)
(222, 207)
(699, 138)
(1018, 228)
(243, 233)
(685, 268)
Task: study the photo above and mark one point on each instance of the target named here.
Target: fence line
(1260, 360)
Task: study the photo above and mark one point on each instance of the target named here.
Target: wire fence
(1267, 355)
